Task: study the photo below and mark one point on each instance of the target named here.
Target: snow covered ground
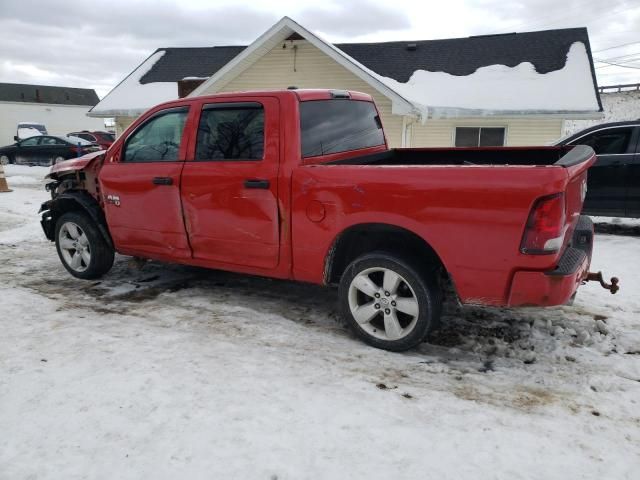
(176, 372)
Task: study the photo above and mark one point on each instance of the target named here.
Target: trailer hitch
(597, 277)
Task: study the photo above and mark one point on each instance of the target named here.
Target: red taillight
(544, 232)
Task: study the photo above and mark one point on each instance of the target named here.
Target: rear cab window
(338, 125)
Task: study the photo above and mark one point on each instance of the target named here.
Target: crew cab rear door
(140, 185)
(230, 183)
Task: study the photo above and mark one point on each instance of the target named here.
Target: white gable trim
(279, 33)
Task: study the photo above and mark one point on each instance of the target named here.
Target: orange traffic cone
(4, 187)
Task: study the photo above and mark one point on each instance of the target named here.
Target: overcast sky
(82, 43)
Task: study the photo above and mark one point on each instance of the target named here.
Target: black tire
(101, 253)
(5, 160)
(420, 281)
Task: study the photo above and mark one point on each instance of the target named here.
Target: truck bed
(469, 205)
(527, 156)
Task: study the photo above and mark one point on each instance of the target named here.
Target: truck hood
(74, 164)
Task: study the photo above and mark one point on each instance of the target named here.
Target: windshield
(109, 137)
(78, 140)
(37, 126)
(332, 126)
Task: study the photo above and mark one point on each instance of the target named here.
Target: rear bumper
(557, 286)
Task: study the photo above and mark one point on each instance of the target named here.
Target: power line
(550, 17)
(616, 46)
(609, 64)
(621, 9)
(618, 58)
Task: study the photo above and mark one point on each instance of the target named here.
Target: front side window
(480, 136)
(333, 126)
(231, 132)
(30, 142)
(159, 139)
(607, 142)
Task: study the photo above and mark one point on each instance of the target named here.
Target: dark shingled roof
(19, 92)
(546, 50)
(178, 63)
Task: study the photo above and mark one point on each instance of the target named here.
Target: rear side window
(333, 126)
(51, 141)
(159, 139)
(231, 132)
(607, 142)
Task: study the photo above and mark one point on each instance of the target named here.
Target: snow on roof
(555, 77)
(131, 98)
(496, 89)
(565, 86)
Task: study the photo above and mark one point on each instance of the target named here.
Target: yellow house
(514, 89)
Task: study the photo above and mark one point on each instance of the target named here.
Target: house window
(479, 136)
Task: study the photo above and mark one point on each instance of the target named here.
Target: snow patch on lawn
(626, 222)
(19, 219)
(179, 372)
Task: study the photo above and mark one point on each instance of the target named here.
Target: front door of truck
(141, 188)
(229, 186)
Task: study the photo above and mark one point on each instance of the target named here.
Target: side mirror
(15, 137)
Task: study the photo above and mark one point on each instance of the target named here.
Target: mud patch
(522, 398)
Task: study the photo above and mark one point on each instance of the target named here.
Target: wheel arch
(75, 201)
(362, 238)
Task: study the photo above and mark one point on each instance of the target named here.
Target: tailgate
(577, 162)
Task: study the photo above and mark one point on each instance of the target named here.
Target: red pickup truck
(300, 184)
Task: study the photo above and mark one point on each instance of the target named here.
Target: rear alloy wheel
(4, 160)
(387, 301)
(81, 247)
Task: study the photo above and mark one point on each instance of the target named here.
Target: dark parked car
(613, 186)
(45, 150)
(104, 139)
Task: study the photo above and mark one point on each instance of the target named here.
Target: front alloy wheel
(74, 247)
(81, 246)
